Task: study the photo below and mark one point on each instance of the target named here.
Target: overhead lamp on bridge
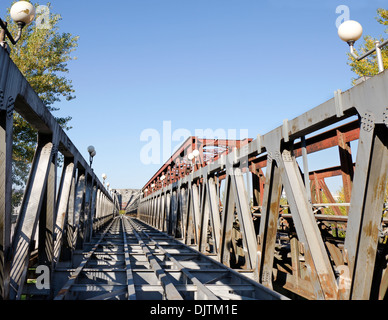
(92, 153)
(350, 31)
(162, 178)
(195, 153)
(22, 13)
(192, 155)
(103, 178)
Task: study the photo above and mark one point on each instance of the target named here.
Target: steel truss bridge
(245, 220)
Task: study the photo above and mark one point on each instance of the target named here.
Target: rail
(218, 211)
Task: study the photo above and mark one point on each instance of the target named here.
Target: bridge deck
(130, 260)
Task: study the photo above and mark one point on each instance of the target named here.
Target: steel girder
(178, 166)
(347, 267)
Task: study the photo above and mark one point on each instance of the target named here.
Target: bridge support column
(29, 214)
(235, 195)
(195, 212)
(269, 223)
(63, 199)
(370, 181)
(78, 210)
(6, 132)
(46, 219)
(88, 207)
(210, 212)
(321, 273)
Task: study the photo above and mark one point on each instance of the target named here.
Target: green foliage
(41, 55)
(329, 210)
(368, 66)
(341, 199)
(382, 17)
(284, 203)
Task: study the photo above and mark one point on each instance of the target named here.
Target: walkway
(130, 260)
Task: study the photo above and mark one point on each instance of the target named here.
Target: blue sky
(231, 64)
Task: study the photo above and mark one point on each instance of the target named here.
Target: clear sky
(230, 64)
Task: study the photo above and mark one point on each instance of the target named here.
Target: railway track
(130, 260)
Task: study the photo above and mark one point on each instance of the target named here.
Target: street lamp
(190, 157)
(350, 31)
(195, 153)
(103, 178)
(23, 13)
(92, 153)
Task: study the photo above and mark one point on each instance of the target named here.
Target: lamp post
(190, 157)
(350, 31)
(195, 154)
(92, 153)
(103, 178)
(23, 13)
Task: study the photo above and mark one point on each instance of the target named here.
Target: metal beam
(29, 214)
(365, 212)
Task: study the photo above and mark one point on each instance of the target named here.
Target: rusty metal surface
(304, 240)
(254, 207)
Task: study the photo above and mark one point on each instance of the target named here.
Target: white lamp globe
(350, 31)
(162, 177)
(93, 153)
(195, 153)
(22, 11)
(103, 176)
(190, 156)
(91, 149)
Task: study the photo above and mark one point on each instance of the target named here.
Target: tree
(41, 55)
(368, 66)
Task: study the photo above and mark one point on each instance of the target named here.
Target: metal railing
(242, 224)
(53, 220)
